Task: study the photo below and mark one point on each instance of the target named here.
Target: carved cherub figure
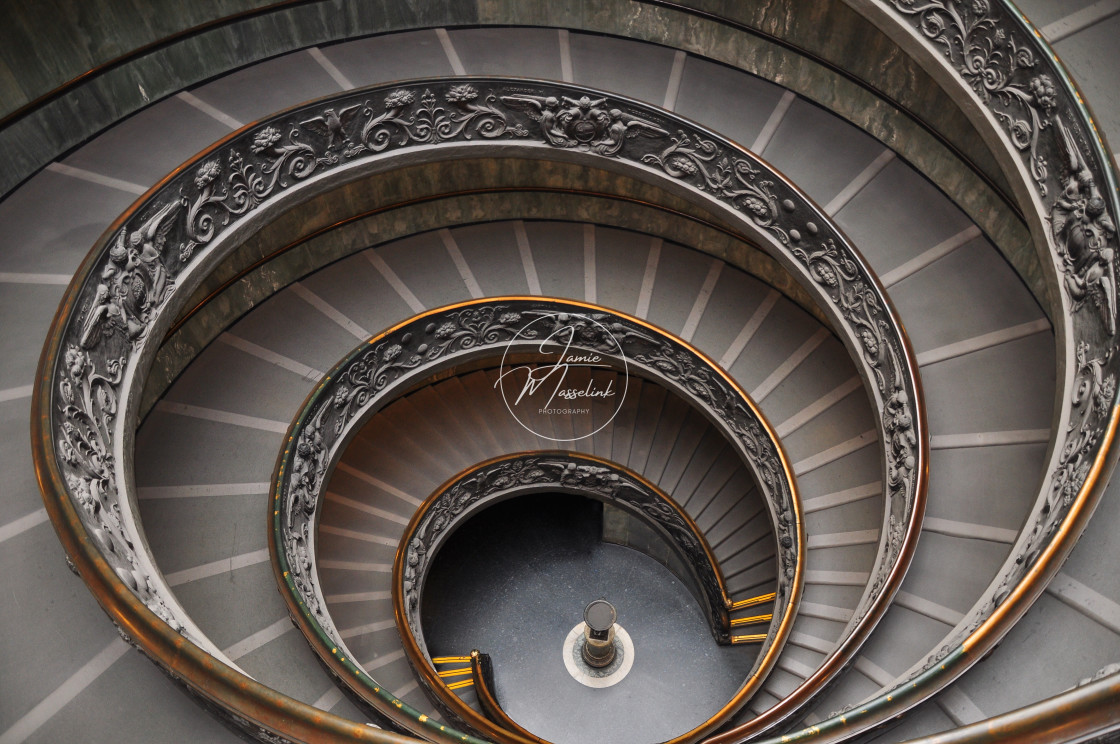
(134, 281)
(546, 110)
(1083, 233)
(584, 120)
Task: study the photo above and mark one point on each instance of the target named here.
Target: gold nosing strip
(753, 620)
(761, 599)
(454, 672)
(451, 660)
(460, 684)
(754, 638)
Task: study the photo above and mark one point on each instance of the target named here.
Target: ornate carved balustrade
(566, 472)
(986, 53)
(379, 370)
(133, 284)
(136, 280)
(560, 472)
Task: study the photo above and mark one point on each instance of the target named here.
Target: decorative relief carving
(736, 180)
(369, 375)
(133, 281)
(1014, 77)
(586, 122)
(87, 402)
(676, 363)
(557, 470)
(742, 183)
(1084, 235)
(137, 271)
(1093, 396)
(992, 53)
(991, 60)
(372, 375)
(863, 309)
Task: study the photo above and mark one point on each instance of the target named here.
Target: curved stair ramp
(205, 452)
(296, 160)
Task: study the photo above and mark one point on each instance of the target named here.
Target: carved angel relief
(1083, 233)
(1003, 69)
(612, 484)
(134, 281)
(997, 58)
(138, 269)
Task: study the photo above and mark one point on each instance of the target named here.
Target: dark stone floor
(513, 582)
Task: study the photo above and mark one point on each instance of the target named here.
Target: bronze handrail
(1033, 106)
(329, 416)
(1085, 498)
(1086, 710)
(223, 191)
(278, 6)
(482, 671)
(407, 564)
(693, 549)
(261, 710)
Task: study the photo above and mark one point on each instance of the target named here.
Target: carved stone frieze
(587, 122)
(87, 402)
(379, 370)
(562, 471)
(367, 379)
(140, 273)
(1016, 78)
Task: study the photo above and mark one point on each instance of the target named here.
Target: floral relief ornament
(139, 268)
(374, 370)
(88, 403)
(1001, 67)
(1043, 120)
(569, 471)
(584, 122)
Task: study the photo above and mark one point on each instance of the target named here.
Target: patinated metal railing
(482, 673)
(519, 474)
(988, 54)
(378, 371)
(559, 472)
(139, 275)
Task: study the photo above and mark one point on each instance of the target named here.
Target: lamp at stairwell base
(589, 676)
(598, 634)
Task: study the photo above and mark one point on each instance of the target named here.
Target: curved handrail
(1095, 372)
(173, 40)
(482, 672)
(246, 704)
(439, 340)
(1086, 710)
(138, 275)
(474, 489)
(1021, 94)
(557, 470)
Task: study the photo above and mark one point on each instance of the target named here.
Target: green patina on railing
(1006, 65)
(388, 364)
(152, 258)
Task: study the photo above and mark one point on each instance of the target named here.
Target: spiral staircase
(856, 106)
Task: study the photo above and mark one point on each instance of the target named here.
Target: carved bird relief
(333, 125)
